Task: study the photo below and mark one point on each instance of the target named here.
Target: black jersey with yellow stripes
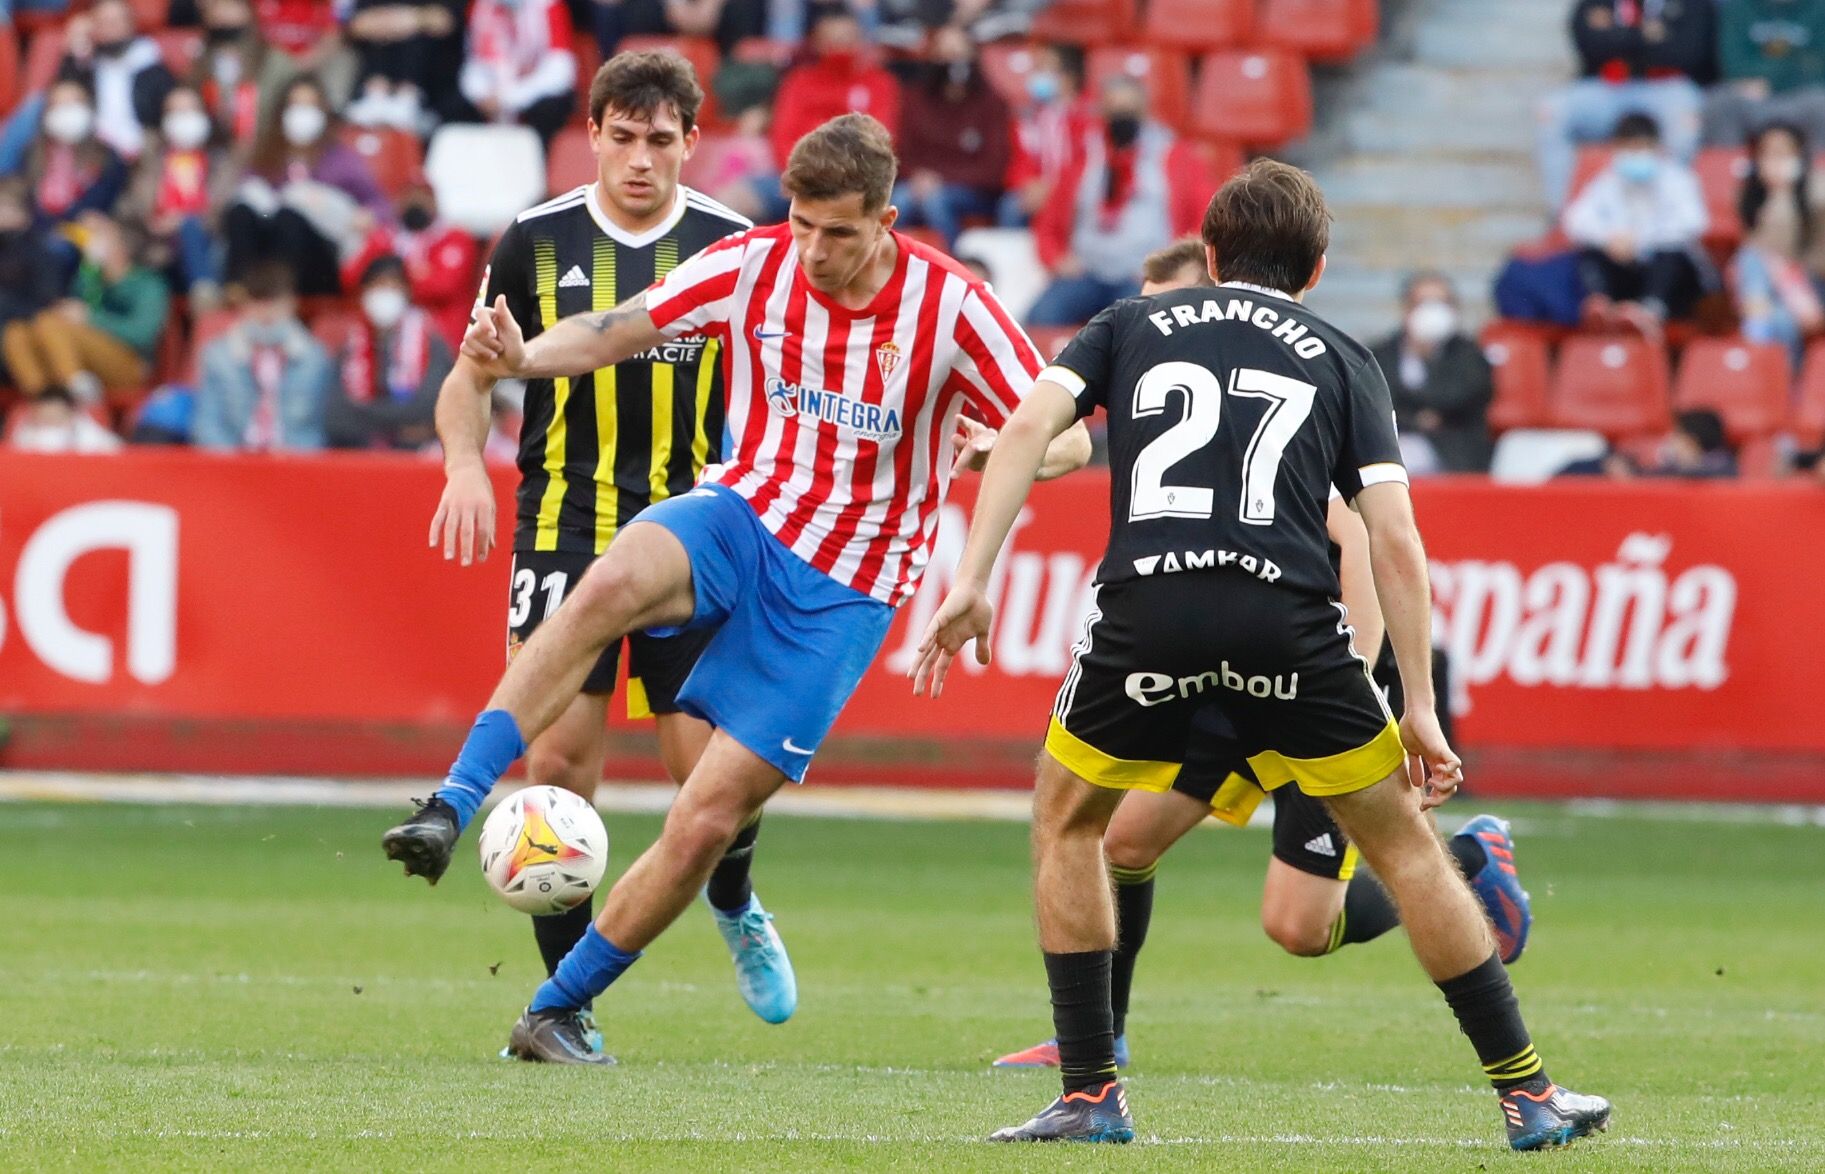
(597, 449)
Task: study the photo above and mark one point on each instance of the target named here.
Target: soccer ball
(544, 850)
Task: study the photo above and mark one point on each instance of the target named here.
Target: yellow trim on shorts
(1350, 857)
(1105, 770)
(637, 704)
(1334, 774)
(1236, 800)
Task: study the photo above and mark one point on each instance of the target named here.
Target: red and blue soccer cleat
(1096, 1115)
(1046, 1055)
(1549, 1116)
(1498, 886)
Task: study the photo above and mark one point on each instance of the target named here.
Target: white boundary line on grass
(813, 800)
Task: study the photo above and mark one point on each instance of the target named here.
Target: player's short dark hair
(852, 153)
(1636, 126)
(1268, 226)
(269, 280)
(1163, 265)
(641, 84)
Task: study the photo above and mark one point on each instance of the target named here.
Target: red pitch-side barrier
(174, 610)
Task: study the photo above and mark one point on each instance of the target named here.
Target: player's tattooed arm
(590, 341)
(608, 319)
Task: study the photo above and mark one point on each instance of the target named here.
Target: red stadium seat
(396, 157)
(1166, 74)
(701, 52)
(1198, 26)
(1262, 99)
(1221, 160)
(1744, 382)
(1085, 22)
(1006, 65)
(1809, 412)
(1319, 30)
(9, 67)
(43, 53)
(569, 161)
(180, 48)
(702, 168)
(1591, 161)
(1521, 361)
(1760, 459)
(589, 59)
(1049, 340)
(1613, 384)
(928, 236)
(1720, 176)
(151, 15)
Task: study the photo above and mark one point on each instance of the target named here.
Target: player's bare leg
(1452, 940)
(1077, 936)
(1299, 911)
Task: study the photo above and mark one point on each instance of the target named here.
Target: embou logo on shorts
(1159, 688)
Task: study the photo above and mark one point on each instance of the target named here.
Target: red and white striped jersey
(839, 420)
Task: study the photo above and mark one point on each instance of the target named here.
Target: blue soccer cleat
(762, 969)
(1550, 1116)
(1099, 1114)
(1046, 1055)
(1498, 886)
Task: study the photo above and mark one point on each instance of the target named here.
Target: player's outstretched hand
(494, 341)
(971, 444)
(464, 521)
(966, 614)
(1432, 765)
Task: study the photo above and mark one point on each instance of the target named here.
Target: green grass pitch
(224, 988)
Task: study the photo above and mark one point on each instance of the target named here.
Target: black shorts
(1276, 664)
(656, 665)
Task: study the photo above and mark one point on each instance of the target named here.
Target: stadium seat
(1051, 339)
(1006, 64)
(1760, 459)
(1809, 412)
(1198, 26)
(180, 48)
(1319, 30)
(571, 162)
(703, 169)
(509, 156)
(9, 67)
(1591, 160)
(1528, 456)
(396, 157)
(1746, 383)
(1222, 159)
(1720, 177)
(766, 51)
(589, 59)
(1613, 384)
(1085, 22)
(151, 15)
(1521, 362)
(1165, 73)
(1261, 99)
(43, 53)
(1013, 264)
(701, 52)
(928, 236)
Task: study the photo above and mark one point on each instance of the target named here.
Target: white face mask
(69, 122)
(384, 305)
(303, 125)
(186, 129)
(1431, 322)
(1781, 171)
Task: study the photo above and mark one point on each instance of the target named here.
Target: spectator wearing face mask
(183, 176)
(1440, 380)
(1049, 130)
(309, 197)
(518, 66)
(69, 170)
(28, 269)
(124, 70)
(954, 144)
(389, 370)
(439, 258)
(239, 76)
(1638, 227)
(1135, 189)
(1776, 274)
(53, 423)
(100, 339)
(264, 380)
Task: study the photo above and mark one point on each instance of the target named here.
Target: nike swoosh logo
(762, 335)
(791, 749)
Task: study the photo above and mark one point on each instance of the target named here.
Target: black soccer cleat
(1550, 1116)
(425, 842)
(1098, 1114)
(555, 1037)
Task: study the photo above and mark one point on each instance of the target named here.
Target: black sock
(1484, 1002)
(1081, 1018)
(1468, 852)
(1133, 911)
(1368, 912)
(561, 931)
(730, 889)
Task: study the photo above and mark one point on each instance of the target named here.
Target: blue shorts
(791, 643)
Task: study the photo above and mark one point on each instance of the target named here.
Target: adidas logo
(1321, 845)
(573, 279)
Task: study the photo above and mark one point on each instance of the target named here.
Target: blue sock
(493, 744)
(586, 972)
